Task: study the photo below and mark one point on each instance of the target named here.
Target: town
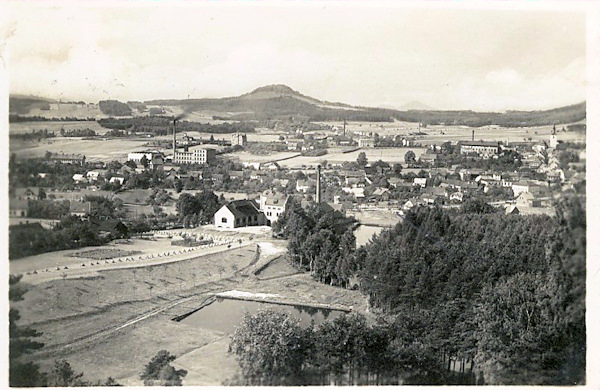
(315, 194)
(170, 199)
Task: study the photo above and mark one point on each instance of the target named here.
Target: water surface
(224, 315)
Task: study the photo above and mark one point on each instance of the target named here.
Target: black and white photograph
(317, 193)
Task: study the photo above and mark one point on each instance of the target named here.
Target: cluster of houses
(20, 198)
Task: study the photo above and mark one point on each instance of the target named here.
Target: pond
(225, 314)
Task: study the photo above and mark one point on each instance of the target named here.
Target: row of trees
(162, 125)
(273, 349)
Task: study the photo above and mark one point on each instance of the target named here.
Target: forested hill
(22, 104)
(276, 101)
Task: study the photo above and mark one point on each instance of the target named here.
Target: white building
(117, 179)
(195, 156)
(420, 181)
(272, 205)
(239, 213)
(154, 158)
(239, 139)
(366, 143)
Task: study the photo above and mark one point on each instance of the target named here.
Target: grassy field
(113, 322)
(438, 134)
(94, 150)
(28, 127)
(254, 158)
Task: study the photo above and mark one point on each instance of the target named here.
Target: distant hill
(280, 101)
(416, 106)
(22, 104)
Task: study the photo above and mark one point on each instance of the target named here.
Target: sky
(379, 55)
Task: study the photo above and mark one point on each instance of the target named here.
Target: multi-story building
(481, 148)
(195, 156)
(67, 158)
(272, 205)
(366, 142)
(239, 139)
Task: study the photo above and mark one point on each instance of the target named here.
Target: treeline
(15, 118)
(34, 135)
(114, 108)
(319, 241)
(77, 133)
(568, 114)
(504, 292)
(274, 350)
(162, 125)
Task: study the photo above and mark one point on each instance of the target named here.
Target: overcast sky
(363, 55)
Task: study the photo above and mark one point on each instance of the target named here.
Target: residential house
(399, 182)
(428, 158)
(80, 209)
(358, 192)
(526, 199)
(27, 193)
(420, 181)
(236, 175)
(413, 202)
(270, 166)
(18, 207)
(117, 179)
(79, 178)
(305, 185)
(457, 196)
(366, 143)
(272, 204)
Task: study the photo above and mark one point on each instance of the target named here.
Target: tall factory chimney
(318, 197)
(472, 135)
(174, 139)
(344, 127)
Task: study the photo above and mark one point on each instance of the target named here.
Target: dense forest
(162, 125)
(114, 108)
(501, 294)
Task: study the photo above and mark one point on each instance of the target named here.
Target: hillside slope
(280, 101)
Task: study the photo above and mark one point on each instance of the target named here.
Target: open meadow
(112, 321)
(94, 150)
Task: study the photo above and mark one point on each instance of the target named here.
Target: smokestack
(472, 135)
(344, 127)
(174, 139)
(318, 184)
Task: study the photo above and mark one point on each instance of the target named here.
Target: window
(224, 220)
